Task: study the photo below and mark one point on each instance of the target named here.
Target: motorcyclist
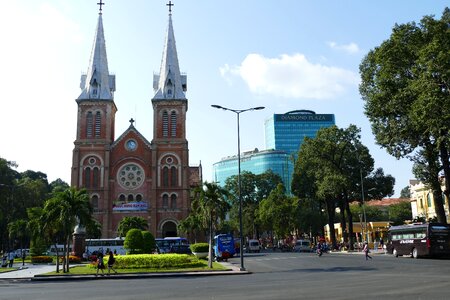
(319, 248)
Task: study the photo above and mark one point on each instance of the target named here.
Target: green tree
(93, 229)
(39, 239)
(399, 213)
(18, 231)
(64, 211)
(405, 85)
(254, 188)
(211, 204)
(134, 241)
(329, 169)
(128, 223)
(58, 185)
(405, 192)
(148, 241)
(277, 211)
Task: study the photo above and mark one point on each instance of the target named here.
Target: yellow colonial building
(422, 201)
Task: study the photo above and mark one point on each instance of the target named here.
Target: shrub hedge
(200, 247)
(167, 261)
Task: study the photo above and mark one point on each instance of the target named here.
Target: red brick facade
(130, 176)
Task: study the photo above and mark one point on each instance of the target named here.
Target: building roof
(169, 83)
(387, 201)
(97, 83)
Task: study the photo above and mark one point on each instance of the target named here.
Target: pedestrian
(11, 256)
(111, 261)
(100, 263)
(4, 260)
(366, 250)
(24, 255)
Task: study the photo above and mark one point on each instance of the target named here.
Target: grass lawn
(86, 270)
(7, 269)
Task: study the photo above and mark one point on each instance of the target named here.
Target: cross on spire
(100, 5)
(132, 121)
(170, 4)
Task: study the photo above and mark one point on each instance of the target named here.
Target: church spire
(169, 84)
(97, 83)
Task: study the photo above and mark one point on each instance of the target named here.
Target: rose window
(131, 176)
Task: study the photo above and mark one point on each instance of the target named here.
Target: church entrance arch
(169, 229)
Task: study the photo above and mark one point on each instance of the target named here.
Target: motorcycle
(319, 252)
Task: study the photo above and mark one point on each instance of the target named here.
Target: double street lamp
(238, 112)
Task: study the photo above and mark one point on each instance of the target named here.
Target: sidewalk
(34, 272)
(27, 271)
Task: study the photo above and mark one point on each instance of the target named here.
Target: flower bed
(41, 259)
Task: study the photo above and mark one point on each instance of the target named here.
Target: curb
(134, 275)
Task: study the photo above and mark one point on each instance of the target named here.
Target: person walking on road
(100, 263)
(111, 261)
(11, 256)
(366, 250)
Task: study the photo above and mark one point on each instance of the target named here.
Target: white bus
(103, 245)
(95, 245)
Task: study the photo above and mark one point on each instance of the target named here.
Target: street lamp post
(241, 236)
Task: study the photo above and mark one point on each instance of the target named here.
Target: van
(253, 246)
(302, 246)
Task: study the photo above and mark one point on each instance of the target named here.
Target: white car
(253, 246)
(302, 246)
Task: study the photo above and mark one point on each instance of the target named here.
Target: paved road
(274, 276)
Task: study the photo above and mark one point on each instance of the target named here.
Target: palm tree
(128, 223)
(18, 230)
(64, 211)
(212, 204)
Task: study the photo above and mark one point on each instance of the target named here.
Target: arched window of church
(87, 178)
(173, 201)
(130, 198)
(173, 176)
(98, 123)
(122, 198)
(173, 124)
(89, 125)
(165, 176)
(429, 200)
(138, 197)
(165, 203)
(94, 202)
(95, 177)
(165, 124)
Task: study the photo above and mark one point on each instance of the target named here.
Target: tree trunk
(343, 221)
(350, 223)
(210, 243)
(434, 182)
(57, 258)
(67, 260)
(446, 167)
(330, 211)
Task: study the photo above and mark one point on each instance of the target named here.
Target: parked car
(302, 246)
(180, 249)
(253, 246)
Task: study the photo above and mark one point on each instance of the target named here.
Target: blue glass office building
(287, 131)
(284, 134)
(256, 162)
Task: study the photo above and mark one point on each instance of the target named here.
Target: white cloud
(291, 76)
(351, 48)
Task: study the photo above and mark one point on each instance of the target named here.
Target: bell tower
(95, 124)
(170, 147)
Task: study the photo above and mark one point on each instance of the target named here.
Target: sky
(285, 56)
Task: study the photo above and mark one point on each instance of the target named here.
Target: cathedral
(129, 175)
